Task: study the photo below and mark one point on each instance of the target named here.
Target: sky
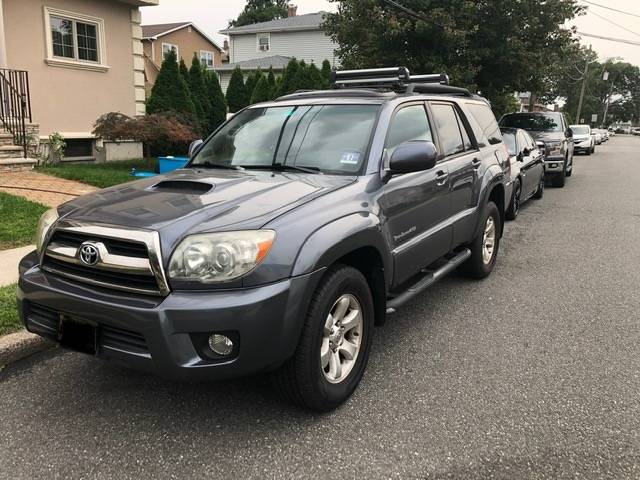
(213, 16)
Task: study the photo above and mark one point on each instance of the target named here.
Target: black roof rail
(390, 78)
(436, 88)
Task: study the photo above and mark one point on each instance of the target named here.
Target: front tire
(333, 350)
(484, 248)
(540, 191)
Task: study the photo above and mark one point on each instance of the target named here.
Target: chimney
(292, 10)
(225, 46)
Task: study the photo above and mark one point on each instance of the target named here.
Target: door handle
(441, 177)
(476, 163)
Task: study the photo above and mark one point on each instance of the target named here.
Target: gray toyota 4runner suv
(295, 228)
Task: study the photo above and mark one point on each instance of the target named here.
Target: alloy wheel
(489, 240)
(341, 338)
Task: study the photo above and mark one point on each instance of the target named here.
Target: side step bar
(429, 279)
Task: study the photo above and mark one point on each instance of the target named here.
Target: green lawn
(101, 175)
(18, 220)
(9, 320)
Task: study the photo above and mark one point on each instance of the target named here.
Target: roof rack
(398, 79)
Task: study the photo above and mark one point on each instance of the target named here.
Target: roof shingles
(308, 21)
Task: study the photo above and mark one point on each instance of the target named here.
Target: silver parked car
(583, 139)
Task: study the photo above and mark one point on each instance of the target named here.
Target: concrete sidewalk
(9, 260)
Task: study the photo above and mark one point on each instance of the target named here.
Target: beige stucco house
(183, 37)
(83, 58)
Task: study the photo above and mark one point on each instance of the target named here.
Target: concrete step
(16, 164)
(6, 139)
(10, 151)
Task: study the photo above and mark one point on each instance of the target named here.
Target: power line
(611, 39)
(610, 8)
(408, 11)
(614, 23)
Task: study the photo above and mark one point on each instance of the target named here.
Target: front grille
(116, 246)
(127, 260)
(108, 279)
(45, 321)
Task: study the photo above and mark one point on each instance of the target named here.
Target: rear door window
(446, 123)
(487, 121)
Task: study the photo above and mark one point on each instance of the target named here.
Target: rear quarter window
(487, 122)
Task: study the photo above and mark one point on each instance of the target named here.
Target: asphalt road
(532, 373)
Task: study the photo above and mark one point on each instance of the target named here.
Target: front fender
(336, 239)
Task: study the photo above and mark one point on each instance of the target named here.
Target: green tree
(218, 110)
(170, 94)
(271, 82)
(237, 94)
(199, 96)
(458, 37)
(252, 81)
(326, 73)
(288, 85)
(315, 76)
(256, 11)
(184, 71)
(262, 92)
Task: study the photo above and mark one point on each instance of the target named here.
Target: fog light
(220, 344)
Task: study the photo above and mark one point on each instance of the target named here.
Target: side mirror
(526, 152)
(414, 156)
(569, 133)
(520, 157)
(195, 147)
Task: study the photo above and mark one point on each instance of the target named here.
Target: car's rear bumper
(553, 164)
(168, 336)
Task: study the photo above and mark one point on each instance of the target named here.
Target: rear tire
(303, 379)
(480, 265)
(514, 205)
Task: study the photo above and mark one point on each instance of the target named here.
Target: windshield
(510, 142)
(324, 138)
(531, 122)
(580, 130)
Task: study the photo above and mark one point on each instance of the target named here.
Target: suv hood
(198, 200)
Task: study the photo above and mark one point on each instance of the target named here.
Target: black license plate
(77, 335)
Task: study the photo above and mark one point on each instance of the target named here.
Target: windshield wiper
(282, 167)
(208, 164)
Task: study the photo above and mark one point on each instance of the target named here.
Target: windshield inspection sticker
(350, 158)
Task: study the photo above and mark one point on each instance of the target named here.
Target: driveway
(532, 373)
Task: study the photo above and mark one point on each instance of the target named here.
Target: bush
(218, 110)
(288, 85)
(326, 73)
(271, 81)
(198, 89)
(161, 134)
(262, 92)
(237, 95)
(170, 94)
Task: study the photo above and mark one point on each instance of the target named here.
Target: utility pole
(606, 103)
(584, 86)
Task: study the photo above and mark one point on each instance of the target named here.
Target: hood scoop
(188, 187)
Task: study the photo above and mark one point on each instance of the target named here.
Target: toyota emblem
(89, 254)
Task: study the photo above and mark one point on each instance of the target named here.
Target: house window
(74, 39)
(167, 47)
(206, 58)
(264, 42)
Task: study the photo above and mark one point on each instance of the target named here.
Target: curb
(19, 345)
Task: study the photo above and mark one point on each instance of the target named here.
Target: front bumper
(167, 336)
(554, 164)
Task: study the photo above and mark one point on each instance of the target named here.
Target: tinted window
(536, 122)
(409, 124)
(487, 121)
(446, 123)
(465, 135)
(331, 138)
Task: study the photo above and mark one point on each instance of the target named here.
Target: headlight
(47, 219)
(554, 147)
(219, 257)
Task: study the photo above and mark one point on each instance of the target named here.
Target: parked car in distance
(293, 230)
(552, 129)
(597, 136)
(636, 131)
(583, 140)
(527, 169)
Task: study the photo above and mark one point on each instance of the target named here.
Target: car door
(414, 206)
(461, 157)
(533, 163)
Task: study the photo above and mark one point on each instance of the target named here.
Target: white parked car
(597, 136)
(583, 140)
